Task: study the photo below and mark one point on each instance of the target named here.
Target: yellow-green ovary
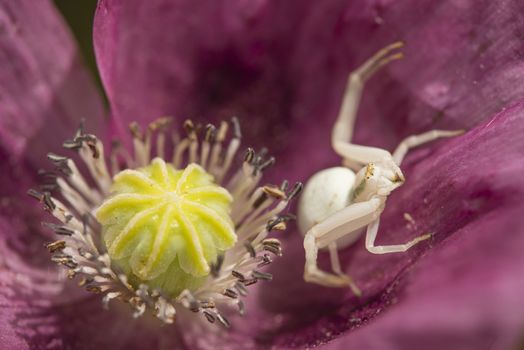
(164, 227)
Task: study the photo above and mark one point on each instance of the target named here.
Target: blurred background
(79, 17)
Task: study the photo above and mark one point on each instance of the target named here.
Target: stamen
(256, 212)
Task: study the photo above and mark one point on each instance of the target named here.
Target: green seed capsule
(164, 227)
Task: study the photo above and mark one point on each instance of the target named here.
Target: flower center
(190, 232)
(165, 227)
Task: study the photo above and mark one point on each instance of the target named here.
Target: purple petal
(461, 290)
(44, 91)
(281, 66)
(44, 88)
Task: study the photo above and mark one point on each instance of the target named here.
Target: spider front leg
(371, 235)
(344, 125)
(344, 222)
(417, 140)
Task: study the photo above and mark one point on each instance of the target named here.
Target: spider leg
(417, 140)
(333, 257)
(343, 128)
(371, 235)
(325, 233)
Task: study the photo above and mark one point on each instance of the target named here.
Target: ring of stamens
(256, 212)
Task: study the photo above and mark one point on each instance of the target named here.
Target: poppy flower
(280, 67)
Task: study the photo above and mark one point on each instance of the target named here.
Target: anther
(210, 133)
(60, 162)
(222, 319)
(272, 245)
(250, 249)
(262, 275)
(207, 304)
(295, 191)
(59, 229)
(189, 127)
(209, 316)
(266, 260)
(228, 292)
(215, 268)
(134, 128)
(276, 224)
(250, 155)
(266, 164)
(55, 246)
(250, 281)
(238, 275)
(274, 192)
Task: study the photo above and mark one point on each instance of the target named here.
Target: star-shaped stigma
(166, 226)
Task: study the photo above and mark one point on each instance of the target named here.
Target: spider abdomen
(325, 193)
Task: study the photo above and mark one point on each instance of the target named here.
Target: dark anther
(250, 249)
(215, 268)
(236, 128)
(210, 133)
(262, 275)
(223, 320)
(66, 260)
(295, 191)
(60, 162)
(284, 186)
(250, 154)
(266, 164)
(272, 245)
(59, 229)
(74, 144)
(230, 293)
(277, 224)
(238, 275)
(266, 260)
(55, 158)
(94, 150)
(36, 194)
(49, 205)
(209, 316)
(250, 281)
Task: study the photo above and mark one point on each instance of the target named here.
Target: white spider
(338, 203)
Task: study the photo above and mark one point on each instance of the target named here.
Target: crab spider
(337, 203)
